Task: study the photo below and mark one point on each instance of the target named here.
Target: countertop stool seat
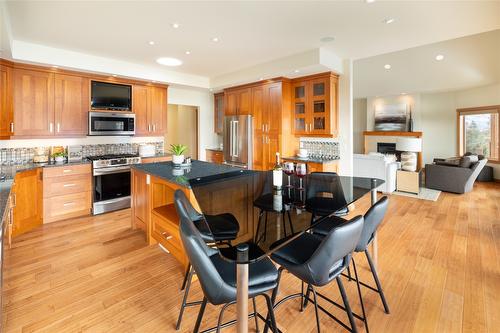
(317, 261)
(220, 228)
(217, 276)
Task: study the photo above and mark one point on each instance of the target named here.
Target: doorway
(182, 128)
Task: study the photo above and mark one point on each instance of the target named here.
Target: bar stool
(373, 217)
(221, 228)
(217, 276)
(318, 261)
(321, 195)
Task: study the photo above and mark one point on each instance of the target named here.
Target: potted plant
(178, 153)
(59, 157)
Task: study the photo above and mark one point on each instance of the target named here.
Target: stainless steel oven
(111, 123)
(111, 182)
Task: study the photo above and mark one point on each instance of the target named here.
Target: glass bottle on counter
(277, 173)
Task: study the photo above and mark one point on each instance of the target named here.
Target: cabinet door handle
(263, 126)
(51, 127)
(68, 204)
(154, 127)
(13, 200)
(67, 170)
(58, 127)
(69, 185)
(12, 127)
(149, 127)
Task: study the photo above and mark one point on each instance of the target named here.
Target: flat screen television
(110, 96)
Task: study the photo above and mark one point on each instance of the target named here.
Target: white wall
(359, 124)
(435, 116)
(204, 100)
(181, 128)
(345, 119)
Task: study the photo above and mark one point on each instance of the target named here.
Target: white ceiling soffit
(309, 62)
(5, 32)
(249, 32)
(468, 62)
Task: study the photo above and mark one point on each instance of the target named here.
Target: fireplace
(386, 148)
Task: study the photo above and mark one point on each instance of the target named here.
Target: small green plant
(59, 154)
(178, 149)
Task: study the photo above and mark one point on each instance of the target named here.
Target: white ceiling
(468, 62)
(250, 32)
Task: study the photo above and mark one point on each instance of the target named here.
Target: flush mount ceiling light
(188, 52)
(439, 57)
(387, 66)
(369, 1)
(389, 20)
(215, 39)
(151, 42)
(327, 39)
(166, 61)
(296, 71)
(175, 25)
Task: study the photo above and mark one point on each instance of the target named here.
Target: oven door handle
(109, 171)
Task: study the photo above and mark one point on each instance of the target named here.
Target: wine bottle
(277, 173)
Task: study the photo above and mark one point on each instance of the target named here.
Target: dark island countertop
(183, 176)
(311, 159)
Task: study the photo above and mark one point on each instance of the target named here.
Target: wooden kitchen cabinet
(158, 110)
(33, 103)
(140, 199)
(26, 194)
(219, 113)
(6, 108)
(314, 105)
(140, 106)
(71, 101)
(237, 101)
(149, 103)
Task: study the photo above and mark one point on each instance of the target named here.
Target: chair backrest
(373, 217)
(338, 245)
(216, 290)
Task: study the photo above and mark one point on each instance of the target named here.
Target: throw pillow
(466, 161)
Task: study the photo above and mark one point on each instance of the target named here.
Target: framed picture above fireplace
(391, 117)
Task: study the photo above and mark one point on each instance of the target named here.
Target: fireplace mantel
(373, 137)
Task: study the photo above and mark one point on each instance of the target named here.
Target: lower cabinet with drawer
(67, 192)
(214, 156)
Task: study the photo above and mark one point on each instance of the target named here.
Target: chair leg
(273, 297)
(349, 277)
(365, 319)
(221, 316)
(256, 239)
(302, 297)
(307, 296)
(255, 317)
(316, 309)
(189, 277)
(186, 276)
(377, 281)
(346, 305)
(265, 227)
(290, 221)
(200, 315)
(270, 314)
(283, 221)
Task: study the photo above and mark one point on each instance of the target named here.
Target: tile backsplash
(20, 155)
(321, 147)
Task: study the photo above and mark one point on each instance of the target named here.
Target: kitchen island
(153, 211)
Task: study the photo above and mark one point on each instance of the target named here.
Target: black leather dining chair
(317, 261)
(221, 228)
(372, 219)
(324, 191)
(217, 276)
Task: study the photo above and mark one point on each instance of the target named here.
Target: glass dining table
(278, 214)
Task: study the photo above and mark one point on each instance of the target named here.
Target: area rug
(425, 194)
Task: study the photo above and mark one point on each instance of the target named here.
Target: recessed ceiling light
(439, 57)
(387, 66)
(175, 25)
(403, 93)
(296, 71)
(215, 39)
(114, 75)
(169, 61)
(261, 78)
(327, 39)
(151, 42)
(55, 66)
(389, 20)
(153, 81)
(188, 52)
(369, 1)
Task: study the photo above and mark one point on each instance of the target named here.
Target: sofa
(455, 174)
(377, 166)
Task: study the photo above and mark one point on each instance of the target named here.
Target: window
(478, 131)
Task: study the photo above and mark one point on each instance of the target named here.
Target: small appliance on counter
(302, 153)
(147, 150)
(75, 153)
(41, 155)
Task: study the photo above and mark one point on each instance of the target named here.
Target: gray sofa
(455, 175)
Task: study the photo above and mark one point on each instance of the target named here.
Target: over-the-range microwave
(111, 123)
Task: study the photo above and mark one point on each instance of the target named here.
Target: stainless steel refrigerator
(238, 145)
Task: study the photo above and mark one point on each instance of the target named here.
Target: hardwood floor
(439, 263)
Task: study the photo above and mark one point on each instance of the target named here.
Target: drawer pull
(69, 185)
(68, 204)
(167, 236)
(67, 170)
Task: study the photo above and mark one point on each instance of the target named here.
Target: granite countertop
(214, 149)
(198, 171)
(311, 159)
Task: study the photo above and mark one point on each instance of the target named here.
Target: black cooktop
(110, 156)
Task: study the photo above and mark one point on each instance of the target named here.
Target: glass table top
(284, 213)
